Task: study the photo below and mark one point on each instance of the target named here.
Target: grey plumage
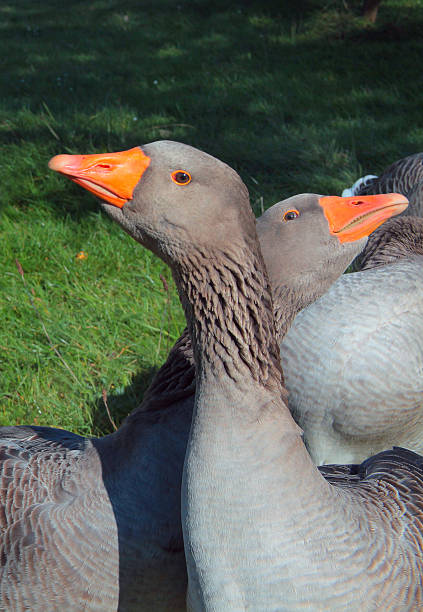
(221, 279)
(400, 238)
(262, 528)
(354, 358)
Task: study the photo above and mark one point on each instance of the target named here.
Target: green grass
(296, 96)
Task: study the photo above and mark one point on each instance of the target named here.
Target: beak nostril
(105, 166)
(357, 202)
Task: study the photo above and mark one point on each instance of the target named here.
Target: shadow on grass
(120, 405)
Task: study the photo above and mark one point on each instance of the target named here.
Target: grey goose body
(263, 529)
(372, 340)
(353, 359)
(95, 524)
(72, 533)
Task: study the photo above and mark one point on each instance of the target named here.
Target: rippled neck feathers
(176, 378)
(229, 306)
(397, 239)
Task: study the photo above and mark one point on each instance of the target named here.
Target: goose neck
(229, 310)
(397, 239)
(288, 302)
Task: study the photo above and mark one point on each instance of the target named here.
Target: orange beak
(110, 176)
(356, 217)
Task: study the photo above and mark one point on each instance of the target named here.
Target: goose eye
(291, 214)
(180, 177)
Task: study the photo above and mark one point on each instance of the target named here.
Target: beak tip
(402, 198)
(57, 162)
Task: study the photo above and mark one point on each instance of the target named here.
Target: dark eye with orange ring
(291, 214)
(180, 177)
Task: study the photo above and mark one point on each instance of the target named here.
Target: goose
(263, 528)
(364, 339)
(110, 507)
(403, 176)
(95, 524)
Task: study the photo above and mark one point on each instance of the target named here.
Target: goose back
(49, 479)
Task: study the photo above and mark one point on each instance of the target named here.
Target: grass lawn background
(297, 96)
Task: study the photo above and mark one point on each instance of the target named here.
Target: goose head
(168, 196)
(308, 240)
